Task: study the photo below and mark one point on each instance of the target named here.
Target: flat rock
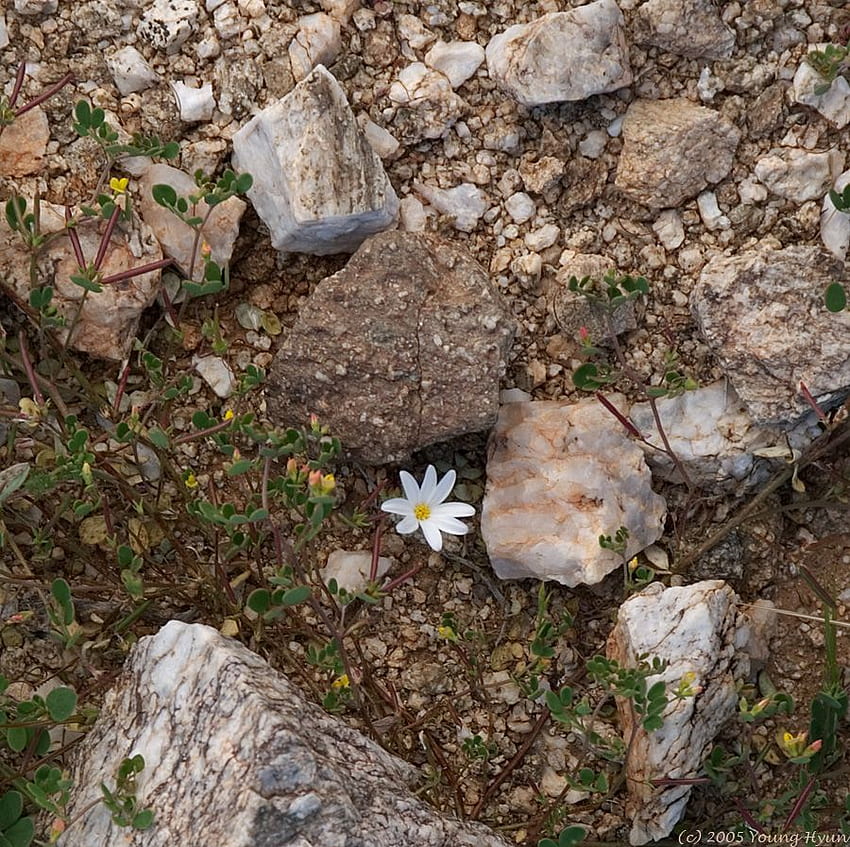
(108, 319)
(562, 55)
(23, 144)
(691, 28)
(177, 238)
(233, 751)
(351, 568)
(833, 104)
(559, 475)
(427, 106)
(457, 60)
(799, 175)
(131, 71)
(694, 628)
(673, 149)
(835, 225)
(318, 184)
(402, 348)
(744, 306)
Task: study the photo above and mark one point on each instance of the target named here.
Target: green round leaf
(11, 806)
(164, 195)
(16, 738)
(143, 819)
(295, 595)
(835, 297)
(260, 600)
(20, 834)
(61, 703)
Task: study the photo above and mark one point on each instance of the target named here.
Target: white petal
(426, 492)
(432, 535)
(450, 525)
(407, 525)
(453, 509)
(443, 489)
(410, 486)
(397, 506)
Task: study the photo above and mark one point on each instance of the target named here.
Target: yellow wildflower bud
(118, 186)
(228, 415)
(291, 467)
(447, 632)
(341, 682)
(314, 480)
(191, 481)
(328, 483)
(86, 474)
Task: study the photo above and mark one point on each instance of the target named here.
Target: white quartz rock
(383, 142)
(711, 434)
(799, 175)
(457, 60)
(351, 569)
(520, 207)
(835, 225)
(695, 629)
(130, 71)
(36, 7)
(227, 21)
(710, 212)
(216, 373)
(465, 203)
(194, 104)
(833, 104)
(414, 32)
(429, 97)
(4, 32)
(341, 10)
(562, 55)
(413, 216)
(318, 185)
(317, 42)
(669, 228)
(560, 475)
(167, 24)
(177, 238)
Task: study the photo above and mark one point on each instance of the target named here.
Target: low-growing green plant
(122, 801)
(830, 63)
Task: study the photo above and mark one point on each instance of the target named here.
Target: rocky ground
(540, 193)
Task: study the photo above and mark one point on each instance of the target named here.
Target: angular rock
(695, 629)
(233, 751)
(799, 175)
(710, 432)
(130, 71)
(194, 104)
(427, 103)
(23, 144)
(457, 60)
(562, 55)
(465, 203)
(833, 104)
(762, 314)
(572, 312)
(177, 238)
(317, 42)
(108, 320)
(350, 569)
(216, 373)
(402, 348)
(835, 225)
(691, 28)
(673, 149)
(384, 143)
(318, 185)
(559, 475)
(36, 7)
(167, 24)
(670, 229)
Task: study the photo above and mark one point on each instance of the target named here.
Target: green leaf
(571, 835)
(237, 468)
(158, 437)
(11, 807)
(20, 834)
(243, 183)
(61, 591)
(143, 819)
(61, 703)
(12, 478)
(835, 297)
(164, 195)
(17, 738)
(86, 283)
(260, 600)
(295, 595)
(584, 377)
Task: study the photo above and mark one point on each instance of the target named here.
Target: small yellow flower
(633, 563)
(191, 481)
(447, 632)
(228, 415)
(341, 682)
(118, 186)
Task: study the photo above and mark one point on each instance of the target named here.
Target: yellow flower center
(422, 511)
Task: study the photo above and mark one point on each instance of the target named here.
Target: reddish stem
(105, 238)
(45, 95)
(142, 269)
(812, 402)
(75, 241)
(25, 358)
(19, 81)
(630, 427)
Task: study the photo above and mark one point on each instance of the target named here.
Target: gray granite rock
(402, 348)
(695, 628)
(562, 55)
(235, 757)
(318, 184)
(763, 316)
(559, 475)
(691, 28)
(672, 149)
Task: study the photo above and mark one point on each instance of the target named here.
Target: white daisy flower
(424, 508)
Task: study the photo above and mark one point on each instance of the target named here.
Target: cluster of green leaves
(830, 63)
(122, 801)
(91, 123)
(544, 641)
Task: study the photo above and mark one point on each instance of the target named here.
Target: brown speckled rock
(672, 149)
(402, 348)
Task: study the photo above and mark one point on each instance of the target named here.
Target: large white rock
(695, 629)
(167, 24)
(236, 756)
(799, 175)
(130, 71)
(835, 225)
(559, 475)
(562, 55)
(833, 104)
(318, 185)
(194, 103)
